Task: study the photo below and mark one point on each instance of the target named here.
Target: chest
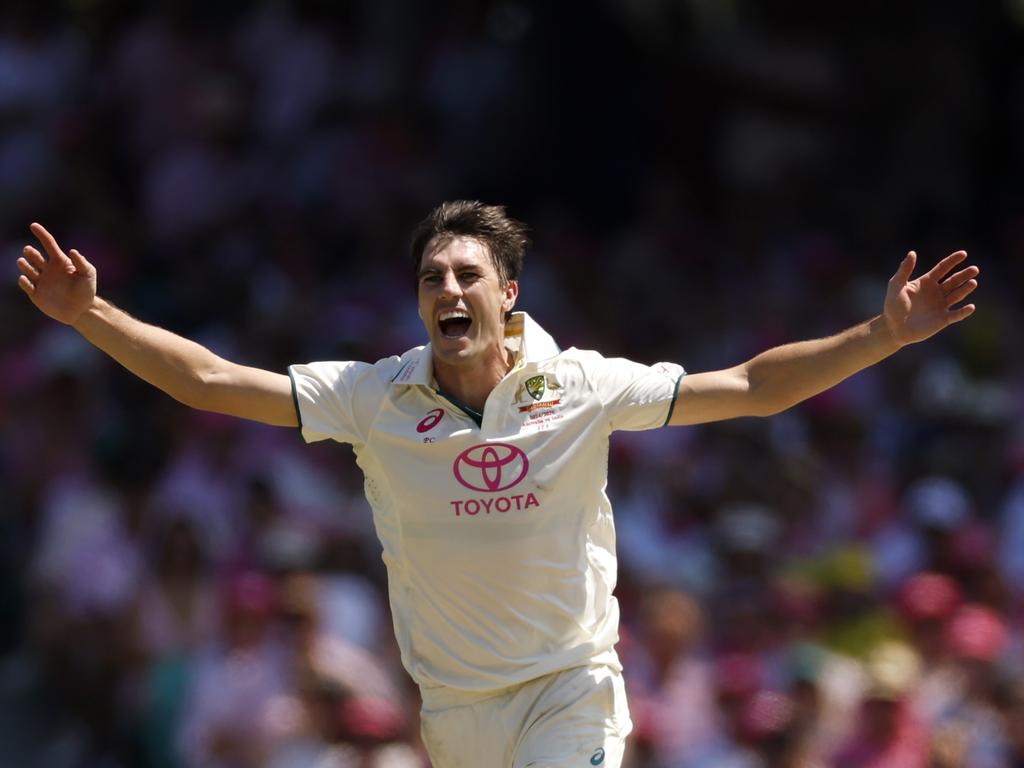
(540, 441)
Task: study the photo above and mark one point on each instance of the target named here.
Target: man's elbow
(762, 401)
(194, 395)
(201, 389)
(770, 408)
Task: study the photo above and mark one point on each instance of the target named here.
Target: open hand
(919, 308)
(61, 285)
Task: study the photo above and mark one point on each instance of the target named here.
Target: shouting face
(463, 302)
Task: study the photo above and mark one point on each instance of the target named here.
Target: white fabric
(576, 717)
(498, 539)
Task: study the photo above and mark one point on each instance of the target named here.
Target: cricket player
(485, 459)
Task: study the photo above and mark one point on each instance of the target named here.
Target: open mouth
(454, 323)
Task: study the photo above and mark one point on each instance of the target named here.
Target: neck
(472, 384)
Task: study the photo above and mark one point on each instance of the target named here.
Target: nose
(450, 284)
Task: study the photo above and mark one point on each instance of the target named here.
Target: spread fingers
(27, 269)
(26, 285)
(957, 279)
(34, 257)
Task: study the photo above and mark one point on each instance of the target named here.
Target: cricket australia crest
(535, 387)
(531, 392)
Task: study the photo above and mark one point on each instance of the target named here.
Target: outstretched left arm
(784, 376)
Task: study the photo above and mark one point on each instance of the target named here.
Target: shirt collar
(530, 342)
(523, 335)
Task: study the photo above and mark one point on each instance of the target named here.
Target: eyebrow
(431, 270)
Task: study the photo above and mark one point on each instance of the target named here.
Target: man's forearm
(784, 376)
(188, 372)
(169, 362)
(914, 310)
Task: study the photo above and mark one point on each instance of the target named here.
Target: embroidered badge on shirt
(535, 387)
(530, 393)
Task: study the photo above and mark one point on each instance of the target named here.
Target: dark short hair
(505, 238)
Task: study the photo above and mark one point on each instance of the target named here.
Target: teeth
(453, 314)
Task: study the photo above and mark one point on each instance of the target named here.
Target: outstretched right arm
(63, 286)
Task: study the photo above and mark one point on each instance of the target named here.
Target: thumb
(906, 268)
(80, 263)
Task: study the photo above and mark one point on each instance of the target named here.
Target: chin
(452, 353)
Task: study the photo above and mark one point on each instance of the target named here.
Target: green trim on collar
(475, 415)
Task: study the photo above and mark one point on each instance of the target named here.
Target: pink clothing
(677, 716)
(907, 748)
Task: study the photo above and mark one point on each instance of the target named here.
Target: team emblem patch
(531, 393)
(535, 387)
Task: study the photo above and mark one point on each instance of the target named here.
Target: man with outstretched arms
(485, 459)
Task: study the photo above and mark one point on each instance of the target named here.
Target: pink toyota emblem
(491, 467)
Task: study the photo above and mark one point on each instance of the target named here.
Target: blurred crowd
(840, 585)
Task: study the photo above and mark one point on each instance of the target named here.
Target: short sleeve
(336, 400)
(634, 396)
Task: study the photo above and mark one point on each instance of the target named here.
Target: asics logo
(430, 421)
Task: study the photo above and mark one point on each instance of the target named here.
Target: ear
(511, 294)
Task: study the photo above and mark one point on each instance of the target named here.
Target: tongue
(455, 328)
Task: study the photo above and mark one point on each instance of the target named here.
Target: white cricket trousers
(577, 718)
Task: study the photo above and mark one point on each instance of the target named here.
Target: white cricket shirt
(497, 537)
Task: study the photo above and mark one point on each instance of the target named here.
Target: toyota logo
(491, 467)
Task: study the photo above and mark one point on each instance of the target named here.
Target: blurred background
(840, 585)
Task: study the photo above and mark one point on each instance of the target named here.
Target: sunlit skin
(458, 274)
(918, 309)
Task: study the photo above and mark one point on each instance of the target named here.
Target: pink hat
(976, 632)
(372, 720)
(929, 596)
(766, 714)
